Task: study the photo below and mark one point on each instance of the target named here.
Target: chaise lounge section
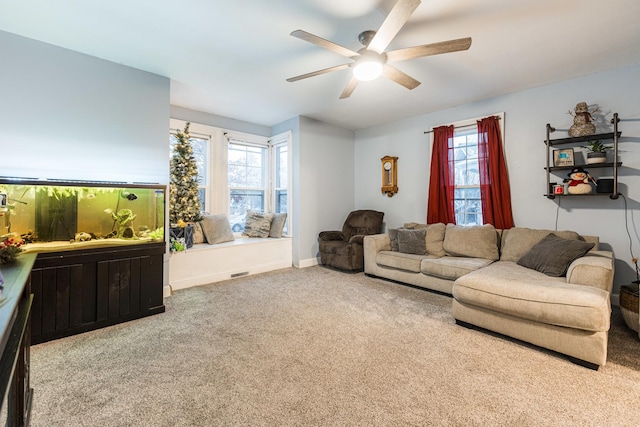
(549, 288)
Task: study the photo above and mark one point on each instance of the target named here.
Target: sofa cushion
(450, 267)
(506, 287)
(400, 261)
(336, 247)
(411, 241)
(552, 255)
(475, 242)
(518, 241)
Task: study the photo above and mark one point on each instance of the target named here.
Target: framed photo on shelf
(563, 157)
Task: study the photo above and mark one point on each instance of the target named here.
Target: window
(468, 181)
(467, 202)
(239, 171)
(258, 179)
(200, 145)
(281, 185)
(247, 179)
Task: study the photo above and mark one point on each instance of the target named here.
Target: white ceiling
(231, 57)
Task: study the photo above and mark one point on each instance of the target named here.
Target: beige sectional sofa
(549, 288)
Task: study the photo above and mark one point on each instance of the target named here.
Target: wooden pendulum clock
(389, 175)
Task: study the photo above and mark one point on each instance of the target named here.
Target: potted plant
(596, 152)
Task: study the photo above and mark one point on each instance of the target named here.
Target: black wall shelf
(573, 141)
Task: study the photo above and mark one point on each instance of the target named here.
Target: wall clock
(389, 175)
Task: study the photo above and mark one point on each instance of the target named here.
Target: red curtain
(442, 179)
(494, 179)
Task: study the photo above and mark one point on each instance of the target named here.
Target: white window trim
(276, 140)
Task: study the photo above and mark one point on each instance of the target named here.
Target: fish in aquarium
(129, 196)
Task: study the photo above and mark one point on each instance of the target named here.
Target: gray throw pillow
(412, 241)
(277, 224)
(553, 255)
(393, 236)
(216, 229)
(257, 224)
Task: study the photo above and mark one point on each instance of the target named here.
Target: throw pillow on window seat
(257, 224)
(277, 224)
(553, 255)
(198, 234)
(216, 229)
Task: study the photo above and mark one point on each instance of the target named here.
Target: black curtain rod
(457, 127)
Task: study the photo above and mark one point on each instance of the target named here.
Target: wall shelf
(576, 141)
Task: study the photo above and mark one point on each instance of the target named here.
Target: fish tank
(52, 216)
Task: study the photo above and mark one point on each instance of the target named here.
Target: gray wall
(324, 181)
(526, 114)
(67, 115)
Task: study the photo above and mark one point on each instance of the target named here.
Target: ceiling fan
(371, 61)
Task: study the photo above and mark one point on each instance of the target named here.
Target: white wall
(526, 113)
(67, 115)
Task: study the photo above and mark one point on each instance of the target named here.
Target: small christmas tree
(184, 203)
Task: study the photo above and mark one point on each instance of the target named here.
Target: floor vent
(244, 273)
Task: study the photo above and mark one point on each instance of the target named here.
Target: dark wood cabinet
(78, 291)
(15, 342)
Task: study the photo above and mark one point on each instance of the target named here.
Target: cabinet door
(128, 286)
(57, 298)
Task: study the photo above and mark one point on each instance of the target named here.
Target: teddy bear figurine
(579, 181)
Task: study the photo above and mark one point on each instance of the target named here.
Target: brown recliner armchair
(343, 249)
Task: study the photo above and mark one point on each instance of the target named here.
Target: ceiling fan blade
(429, 49)
(348, 90)
(319, 72)
(392, 24)
(319, 41)
(399, 77)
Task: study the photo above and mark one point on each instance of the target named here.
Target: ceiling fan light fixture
(367, 70)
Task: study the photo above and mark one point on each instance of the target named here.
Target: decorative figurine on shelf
(579, 181)
(582, 119)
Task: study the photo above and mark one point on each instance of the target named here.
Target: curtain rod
(459, 127)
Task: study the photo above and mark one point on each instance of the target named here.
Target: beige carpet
(319, 347)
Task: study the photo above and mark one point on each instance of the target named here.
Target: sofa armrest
(372, 245)
(594, 269)
(377, 242)
(331, 235)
